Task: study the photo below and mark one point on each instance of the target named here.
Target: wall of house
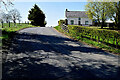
(75, 21)
(82, 21)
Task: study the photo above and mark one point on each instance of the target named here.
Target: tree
(98, 10)
(104, 12)
(114, 10)
(7, 17)
(15, 15)
(93, 9)
(36, 16)
(19, 20)
(2, 15)
(6, 3)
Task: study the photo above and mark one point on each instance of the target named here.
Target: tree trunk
(103, 21)
(9, 23)
(14, 22)
(2, 24)
(98, 21)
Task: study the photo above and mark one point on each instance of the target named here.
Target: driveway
(43, 53)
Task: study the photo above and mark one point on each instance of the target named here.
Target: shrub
(100, 35)
(61, 22)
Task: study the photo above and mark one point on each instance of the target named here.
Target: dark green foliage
(36, 16)
(61, 22)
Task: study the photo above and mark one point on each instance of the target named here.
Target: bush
(100, 35)
(61, 22)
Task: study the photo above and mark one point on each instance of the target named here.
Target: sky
(54, 11)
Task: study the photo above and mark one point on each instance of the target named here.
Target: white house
(77, 18)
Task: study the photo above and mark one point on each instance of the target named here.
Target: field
(12, 28)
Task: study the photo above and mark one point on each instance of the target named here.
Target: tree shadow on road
(30, 42)
(30, 67)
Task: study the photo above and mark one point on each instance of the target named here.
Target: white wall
(82, 21)
(75, 21)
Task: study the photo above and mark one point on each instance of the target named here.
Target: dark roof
(76, 14)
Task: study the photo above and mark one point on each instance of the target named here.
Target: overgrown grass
(91, 42)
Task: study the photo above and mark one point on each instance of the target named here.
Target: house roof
(76, 14)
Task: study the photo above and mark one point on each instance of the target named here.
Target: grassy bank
(8, 32)
(13, 28)
(91, 39)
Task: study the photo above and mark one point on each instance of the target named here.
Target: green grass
(4, 36)
(91, 42)
(13, 28)
(100, 45)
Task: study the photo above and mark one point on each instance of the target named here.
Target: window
(86, 22)
(79, 18)
(72, 22)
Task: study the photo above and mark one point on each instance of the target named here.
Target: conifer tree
(36, 16)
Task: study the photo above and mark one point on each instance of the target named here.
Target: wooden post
(2, 24)
(98, 39)
(116, 43)
(114, 40)
(9, 23)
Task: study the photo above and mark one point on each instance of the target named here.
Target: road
(43, 53)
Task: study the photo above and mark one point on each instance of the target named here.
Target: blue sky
(54, 11)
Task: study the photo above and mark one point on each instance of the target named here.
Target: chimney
(66, 10)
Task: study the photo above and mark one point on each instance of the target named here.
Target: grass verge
(90, 42)
(6, 30)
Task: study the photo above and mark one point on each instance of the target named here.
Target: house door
(79, 23)
(72, 22)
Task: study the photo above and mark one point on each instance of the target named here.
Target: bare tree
(19, 20)
(6, 17)
(2, 15)
(6, 3)
(15, 15)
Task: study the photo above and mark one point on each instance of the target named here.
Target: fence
(108, 37)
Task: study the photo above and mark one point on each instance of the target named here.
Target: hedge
(61, 22)
(109, 37)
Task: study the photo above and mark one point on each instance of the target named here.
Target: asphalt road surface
(43, 53)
